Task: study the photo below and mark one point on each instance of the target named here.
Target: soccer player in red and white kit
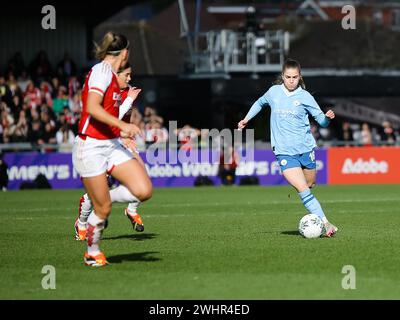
(97, 145)
(120, 193)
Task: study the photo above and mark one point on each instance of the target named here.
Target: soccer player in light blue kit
(291, 138)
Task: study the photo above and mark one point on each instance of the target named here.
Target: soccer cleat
(136, 221)
(80, 233)
(330, 229)
(98, 260)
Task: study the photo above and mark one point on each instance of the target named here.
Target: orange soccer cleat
(136, 221)
(98, 260)
(80, 232)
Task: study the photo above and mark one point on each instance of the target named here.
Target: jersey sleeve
(125, 106)
(100, 79)
(314, 109)
(258, 105)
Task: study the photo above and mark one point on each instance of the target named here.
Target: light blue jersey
(290, 126)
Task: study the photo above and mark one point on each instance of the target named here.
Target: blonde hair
(111, 44)
(291, 64)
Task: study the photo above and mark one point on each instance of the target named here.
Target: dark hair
(123, 68)
(290, 64)
(112, 44)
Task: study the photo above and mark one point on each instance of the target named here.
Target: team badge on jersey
(283, 162)
(117, 98)
(296, 103)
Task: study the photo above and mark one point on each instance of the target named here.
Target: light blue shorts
(304, 161)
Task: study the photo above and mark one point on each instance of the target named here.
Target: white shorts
(92, 157)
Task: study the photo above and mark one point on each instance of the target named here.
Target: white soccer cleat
(330, 229)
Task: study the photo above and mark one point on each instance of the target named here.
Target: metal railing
(67, 148)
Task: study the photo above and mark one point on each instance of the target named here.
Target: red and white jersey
(102, 80)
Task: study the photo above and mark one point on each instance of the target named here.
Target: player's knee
(311, 184)
(145, 193)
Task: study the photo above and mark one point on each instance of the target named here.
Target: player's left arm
(314, 109)
(127, 103)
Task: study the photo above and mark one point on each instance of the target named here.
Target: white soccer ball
(311, 226)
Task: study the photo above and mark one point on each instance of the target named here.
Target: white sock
(85, 210)
(132, 208)
(122, 194)
(94, 231)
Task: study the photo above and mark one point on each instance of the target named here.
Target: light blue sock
(311, 203)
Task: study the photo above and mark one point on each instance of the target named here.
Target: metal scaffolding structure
(226, 51)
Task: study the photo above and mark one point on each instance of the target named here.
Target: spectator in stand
(35, 135)
(227, 165)
(20, 133)
(23, 80)
(346, 134)
(187, 136)
(75, 103)
(366, 135)
(61, 100)
(33, 115)
(46, 93)
(49, 134)
(45, 108)
(150, 114)
(72, 119)
(46, 117)
(5, 92)
(13, 85)
(32, 96)
(55, 82)
(387, 133)
(64, 135)
(7, 123)
(73, 86)
(156, 133)
(16, 106)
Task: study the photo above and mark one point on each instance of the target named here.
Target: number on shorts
(312, 156)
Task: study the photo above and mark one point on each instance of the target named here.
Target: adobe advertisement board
(58, 169)
(364, 165)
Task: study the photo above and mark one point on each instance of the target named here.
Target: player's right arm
(254, 110)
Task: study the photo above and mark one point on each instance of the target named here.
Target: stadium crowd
(41, 104)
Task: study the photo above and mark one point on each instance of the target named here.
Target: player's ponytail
(111, 44)
(290, 64)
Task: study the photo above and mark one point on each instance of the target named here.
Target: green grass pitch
(206, 243)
